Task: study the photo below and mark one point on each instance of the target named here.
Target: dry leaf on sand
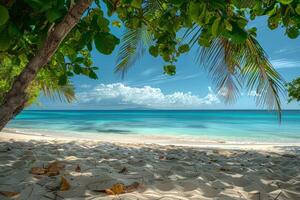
(9, 194)
(64, 184)
(118, 188)
(77, 169)
(123, 170)
(38, 171)
(51, 170)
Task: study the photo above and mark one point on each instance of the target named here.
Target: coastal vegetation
(44, 43)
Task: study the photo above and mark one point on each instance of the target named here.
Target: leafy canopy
(294, 90)
(219, 27)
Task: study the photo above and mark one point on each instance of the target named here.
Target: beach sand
(205, 170)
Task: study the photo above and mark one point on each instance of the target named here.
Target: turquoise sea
(231, 125)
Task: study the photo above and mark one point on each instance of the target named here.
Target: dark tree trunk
(16, 98)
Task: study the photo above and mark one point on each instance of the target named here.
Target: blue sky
(145, 85)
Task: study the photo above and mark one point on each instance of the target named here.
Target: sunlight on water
(225, 125)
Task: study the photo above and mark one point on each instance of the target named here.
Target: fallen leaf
(64, 184)
(56, 165)
(77, 169)
(123, 170)
(116, 189)
(54, 168)
(9, 194)
(162, 157)
(38, 171)
(51, 170)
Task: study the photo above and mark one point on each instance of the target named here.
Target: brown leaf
(9, 194)
(123, 170)
(64, 184)
(54, 168)
(162, 157)
(116, 189)
(38, 171)
(56, 165)
(77, 169)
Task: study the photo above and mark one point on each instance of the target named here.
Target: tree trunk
(16, 98)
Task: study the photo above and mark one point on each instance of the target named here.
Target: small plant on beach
(54, 38)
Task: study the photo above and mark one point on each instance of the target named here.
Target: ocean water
(229, 125)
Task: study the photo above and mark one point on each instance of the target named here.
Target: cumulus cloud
(118, 93)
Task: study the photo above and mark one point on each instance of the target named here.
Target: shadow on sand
(163, 172)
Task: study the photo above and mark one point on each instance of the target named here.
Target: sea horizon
(238, 126)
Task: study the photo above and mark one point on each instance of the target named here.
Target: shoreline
(30, 134)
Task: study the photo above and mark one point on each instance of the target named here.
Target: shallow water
(234, 125)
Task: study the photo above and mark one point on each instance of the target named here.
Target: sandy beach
(91, 167)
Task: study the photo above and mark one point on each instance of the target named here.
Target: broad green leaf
(4, 16)
(77, 69)
(136, 3)
(53, 14)
(238, 35)
(184, 48)
(93, 75)
(292, 32)
(4, 40)
(177, 2)
(63, 79)
(105, 42)
(194, 10)
(285, 2)
(153, 50)
(228, 25)
(298, 9)
(215, 27)
(170, 70)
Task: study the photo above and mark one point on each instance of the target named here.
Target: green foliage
(47, 81)
(106, 42)
(218, 27)
(170, 70)
(3, 15)
(24, 26)
(228, 49)
(294, 90)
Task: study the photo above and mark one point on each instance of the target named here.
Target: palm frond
(63, 93)
(219, 61)
(134, 43)
(261, 76)
(232, 66)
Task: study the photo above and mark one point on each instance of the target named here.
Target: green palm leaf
(135, 41)
(232, 66)
(134, 44)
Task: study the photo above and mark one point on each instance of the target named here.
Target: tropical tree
(294, 90)
(58, 36)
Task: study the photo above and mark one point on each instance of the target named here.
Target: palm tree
(231, 66)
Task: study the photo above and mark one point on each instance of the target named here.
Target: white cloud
(120, 94)
(285, 63)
